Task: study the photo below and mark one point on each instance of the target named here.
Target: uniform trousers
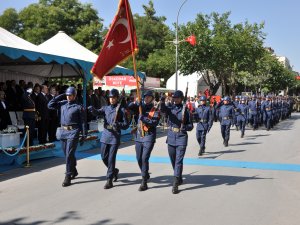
(69, 147)
(201, 137)
(225, 130)
(241, 123)
(268, 119)
(253, 120)
(108, 155)
(143, 152)
(176, 154)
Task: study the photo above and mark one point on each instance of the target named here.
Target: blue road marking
(210, 162)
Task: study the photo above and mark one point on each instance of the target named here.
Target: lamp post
(176, 45)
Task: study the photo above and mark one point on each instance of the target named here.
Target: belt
(227, 117)
(29, 110)
(268, 109)
(175, 129)
(68, 127)
(243, 113)
(108, 127)
(201, 120)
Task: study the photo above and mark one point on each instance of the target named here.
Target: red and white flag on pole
(119, 43)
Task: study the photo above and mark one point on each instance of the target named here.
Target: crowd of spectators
(12, 94)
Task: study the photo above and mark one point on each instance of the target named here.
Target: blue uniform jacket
(174, 114)
(151, 123)
(267, 107)
(235, 106)
(226, 114)
(253, 107)
(109, 135)
(204, 117)
(72, 114)
(243, 112)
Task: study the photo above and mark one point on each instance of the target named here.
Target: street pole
(176, 46)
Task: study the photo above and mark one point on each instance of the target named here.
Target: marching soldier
(115, 119)
(179, 122)
(253, 114)
(235, 106)
(72, 123)
(204, 120)
(267, 110)
(242, 117)
(226, 116)
(145, 139)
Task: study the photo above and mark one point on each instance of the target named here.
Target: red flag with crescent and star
(119, 43)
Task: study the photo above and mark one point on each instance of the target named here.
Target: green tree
(225, 51)
(39, 22)
(9, 20)
(152, 34)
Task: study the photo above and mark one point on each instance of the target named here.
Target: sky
(281, 17)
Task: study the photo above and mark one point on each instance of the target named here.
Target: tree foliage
(152, 32)
(229, 55)
(39, 22)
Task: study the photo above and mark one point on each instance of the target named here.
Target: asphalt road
(253, 181)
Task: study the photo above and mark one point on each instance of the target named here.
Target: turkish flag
(120, 41)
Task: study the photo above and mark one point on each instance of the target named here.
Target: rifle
(118, 109)
(119, 104)
(184, 105)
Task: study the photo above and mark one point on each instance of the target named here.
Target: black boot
(175, 185)
(116, 173)
(147, 176)
(74, 174)
(67, 181)
(109, 184)
(144, 185)
(226, 143)
(200, 153)
(242, 135)
(180, 181)
(203, 150)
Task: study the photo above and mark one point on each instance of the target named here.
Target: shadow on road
(246, 143)
(122, 180)
(207, 155)
(224, 152)
(66, 218)
(202, 181)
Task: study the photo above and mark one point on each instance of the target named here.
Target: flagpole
(135, 70)
(176, 48)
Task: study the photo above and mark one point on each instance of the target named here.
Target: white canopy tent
(192, 80)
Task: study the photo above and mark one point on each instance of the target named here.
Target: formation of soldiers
(147, 114)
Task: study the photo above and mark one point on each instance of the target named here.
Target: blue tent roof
(13, 56)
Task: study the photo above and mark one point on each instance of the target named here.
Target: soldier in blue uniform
(204, 120)
(144, 143)
(179, 122)
(253, 108)
(242, 117)
(72, 123)
(235, 106)
(115, 119)
(267, 110)
(226, 117)
(29, 113)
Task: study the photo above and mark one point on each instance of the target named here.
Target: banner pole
(134, 68)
